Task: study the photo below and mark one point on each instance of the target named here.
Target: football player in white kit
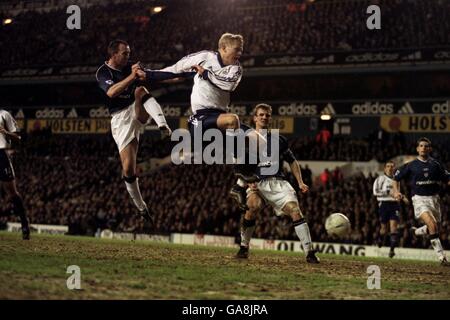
(8, 131)
(218, 74)
(388, 206)
(275, 191)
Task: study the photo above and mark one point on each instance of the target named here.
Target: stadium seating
(269, 27)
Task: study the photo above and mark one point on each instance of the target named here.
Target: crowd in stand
(183, 27)
(76, 181)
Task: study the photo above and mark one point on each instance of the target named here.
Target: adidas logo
(19, 114)
(406, 109)
(72, 114)
(329, 109)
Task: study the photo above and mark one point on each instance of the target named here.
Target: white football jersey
(7, 122)
(382, 188)
(212, 90)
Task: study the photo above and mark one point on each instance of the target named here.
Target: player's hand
(135, 68)
(397, 196)
(2, 130)
(303, 187)
(141, 75)
(198, 69)
(140, 92)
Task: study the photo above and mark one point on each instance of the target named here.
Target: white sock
(302, 231)
(437, 246)
(154, 110)
(247, 232)
(135, 193)
(241, 182)
(421, 231)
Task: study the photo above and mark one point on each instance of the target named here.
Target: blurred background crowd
(186, 26)
(75, 180)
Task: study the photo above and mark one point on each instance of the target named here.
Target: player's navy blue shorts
(6, 168)
(208, 118)
(389, 210)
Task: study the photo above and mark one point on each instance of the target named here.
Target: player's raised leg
(228, 121)
(149, 108)
(141, 114)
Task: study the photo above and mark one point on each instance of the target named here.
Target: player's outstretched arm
(186, 64)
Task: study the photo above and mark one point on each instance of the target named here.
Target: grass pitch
(118, 269)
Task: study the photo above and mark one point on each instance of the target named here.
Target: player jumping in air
(130, 105)
(218, 74)
(425, 175)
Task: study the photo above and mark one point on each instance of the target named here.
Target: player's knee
(292, 209)
(142, 117)
(232, 121)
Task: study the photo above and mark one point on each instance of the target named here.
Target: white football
(337, 224)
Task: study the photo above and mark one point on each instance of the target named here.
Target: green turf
(118, 269)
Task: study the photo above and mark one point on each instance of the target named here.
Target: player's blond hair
(263, 106)
(228, 39)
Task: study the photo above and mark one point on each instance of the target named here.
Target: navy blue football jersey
(284, 154)
(424, 176)
(107, 77)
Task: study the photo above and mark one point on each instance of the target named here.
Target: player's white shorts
(427, 203)
(125, 127)
(275, 192)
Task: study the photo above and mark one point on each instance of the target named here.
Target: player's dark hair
(113, 46)
(423, 139)
(387, 162)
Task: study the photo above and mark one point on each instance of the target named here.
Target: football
(337, 224)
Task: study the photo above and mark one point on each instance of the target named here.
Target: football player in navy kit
(275, 190)
(425, 175)
(130, 105)
(9, 131)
